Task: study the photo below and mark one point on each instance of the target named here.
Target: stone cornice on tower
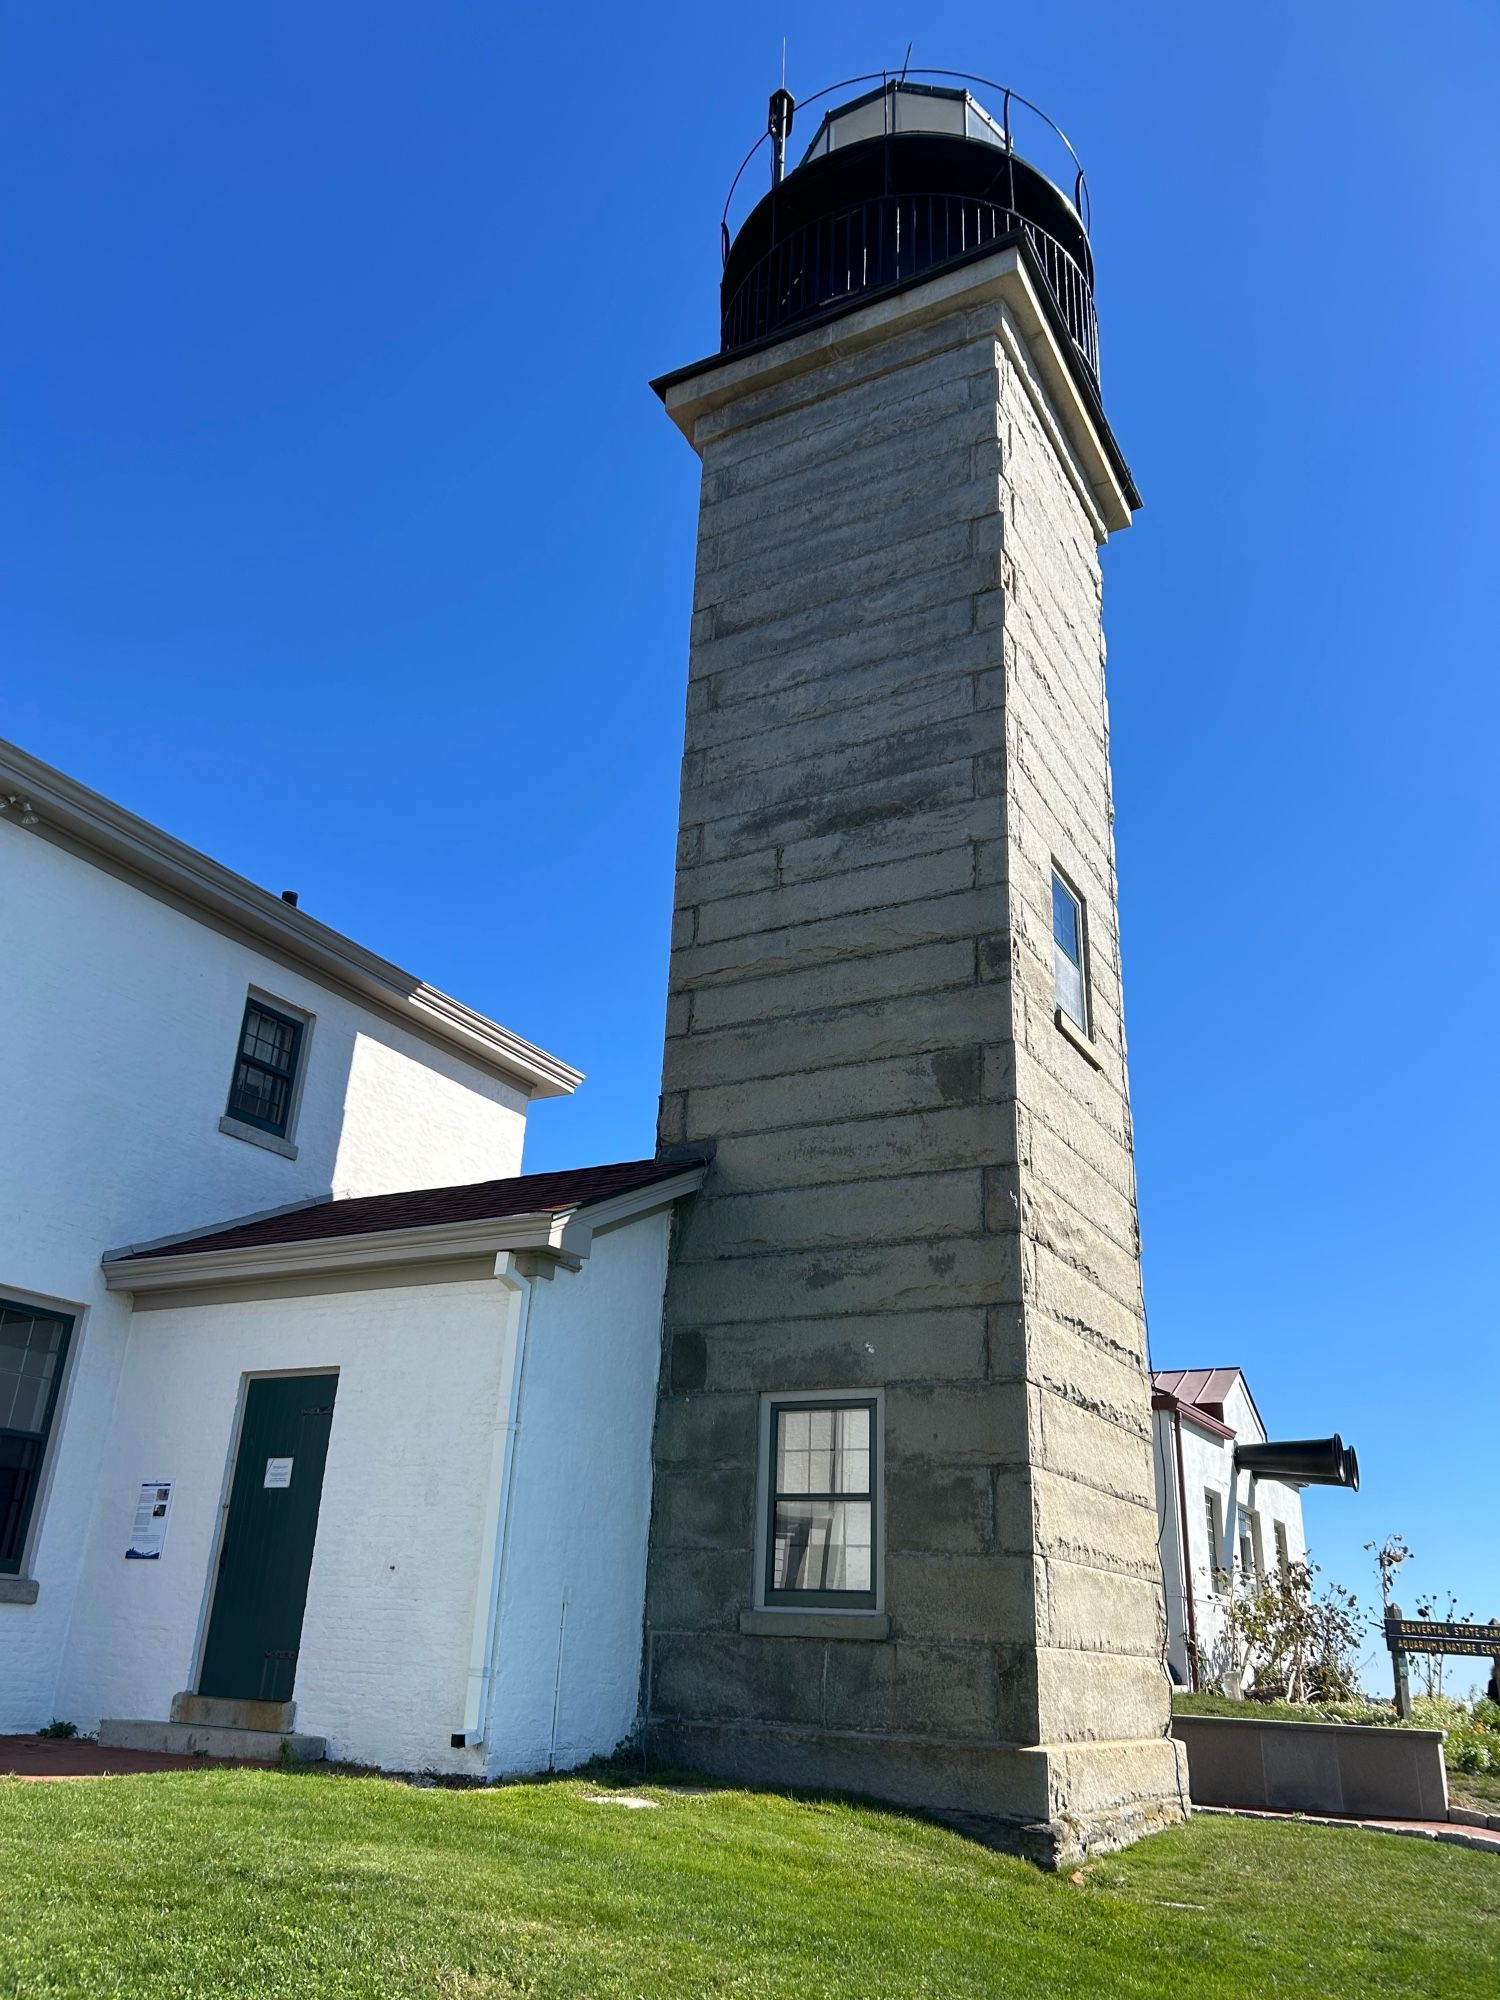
(1000, 289)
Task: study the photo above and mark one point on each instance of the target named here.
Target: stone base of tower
(1054, 1804)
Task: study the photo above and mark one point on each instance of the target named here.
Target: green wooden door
(255, 1626)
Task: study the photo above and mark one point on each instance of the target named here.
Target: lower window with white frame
(821, 1487)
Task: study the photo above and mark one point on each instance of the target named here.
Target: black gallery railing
(882, 242)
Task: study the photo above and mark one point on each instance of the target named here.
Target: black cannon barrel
(1303, 1462)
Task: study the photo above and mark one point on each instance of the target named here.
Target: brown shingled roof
(1205, 1388)
(425, 1208)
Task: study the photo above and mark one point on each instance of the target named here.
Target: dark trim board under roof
(426, 1208)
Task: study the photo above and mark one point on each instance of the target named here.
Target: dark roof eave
(338, 1220)
(1175, 1406)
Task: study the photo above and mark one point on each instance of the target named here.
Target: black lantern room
(896, 184)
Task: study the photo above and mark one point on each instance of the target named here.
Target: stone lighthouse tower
(904, 1535)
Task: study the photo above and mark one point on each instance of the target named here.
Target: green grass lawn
(1373, 1713)
(231, 1883)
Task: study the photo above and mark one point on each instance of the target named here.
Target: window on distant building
(1069, 952)
(821, 1513)
(1214, 1509)
(1283, 1550)
(1249, 1551)
(33, 1348)
(262, 1089)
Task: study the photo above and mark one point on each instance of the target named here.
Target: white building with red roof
(1229, 1510)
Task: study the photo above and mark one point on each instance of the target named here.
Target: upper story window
(1069, 948)
(1215, 1511)
(1249, 1554)
(821, 1511)
(265, 1070)
(33, 1348)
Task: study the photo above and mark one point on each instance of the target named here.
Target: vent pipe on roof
(1303, 1462)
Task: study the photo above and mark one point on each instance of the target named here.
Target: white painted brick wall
(390, 1599)
(581, 1507)
(121, 1018)
(396, 1573)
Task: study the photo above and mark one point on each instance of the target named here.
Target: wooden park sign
(1436, 1635)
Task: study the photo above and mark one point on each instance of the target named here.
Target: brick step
(198, 1739)
(223, 1712)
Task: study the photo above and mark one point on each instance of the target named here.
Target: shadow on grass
(627, 1772)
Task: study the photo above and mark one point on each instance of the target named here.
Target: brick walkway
(45, 1757)
(1450, 1832)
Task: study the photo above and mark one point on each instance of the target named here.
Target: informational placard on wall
(152, 1510)
(278, 1474)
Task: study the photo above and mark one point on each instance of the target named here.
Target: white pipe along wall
(477, 1718)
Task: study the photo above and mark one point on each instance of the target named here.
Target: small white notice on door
(278, 1472)
(149, 1533)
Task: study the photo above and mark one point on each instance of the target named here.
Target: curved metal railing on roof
(882, 241)
(892, 237)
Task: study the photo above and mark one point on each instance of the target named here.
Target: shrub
(1290, 1639)
(57, 1727)
(1473, 1740)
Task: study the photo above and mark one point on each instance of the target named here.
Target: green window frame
(33, 1354)
(822, 1512)
(263, 1085)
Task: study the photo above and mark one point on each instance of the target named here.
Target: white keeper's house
(1229, 1509)
(302, 1383)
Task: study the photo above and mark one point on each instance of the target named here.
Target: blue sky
(343, 537)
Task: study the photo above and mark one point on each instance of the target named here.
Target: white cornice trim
(70, 813)
(582, 1225)
(1002, 280)
(331, 1253)
(563, 1234)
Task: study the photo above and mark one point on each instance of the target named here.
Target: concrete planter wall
(1314, 1767)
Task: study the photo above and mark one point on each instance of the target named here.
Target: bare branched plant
(1290, 1639)
(1389, 1556)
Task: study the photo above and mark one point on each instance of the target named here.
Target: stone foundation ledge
(1052, 1804)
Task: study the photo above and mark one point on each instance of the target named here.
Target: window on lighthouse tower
(1068, 948)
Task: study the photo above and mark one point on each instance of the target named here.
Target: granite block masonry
(922, 1185)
